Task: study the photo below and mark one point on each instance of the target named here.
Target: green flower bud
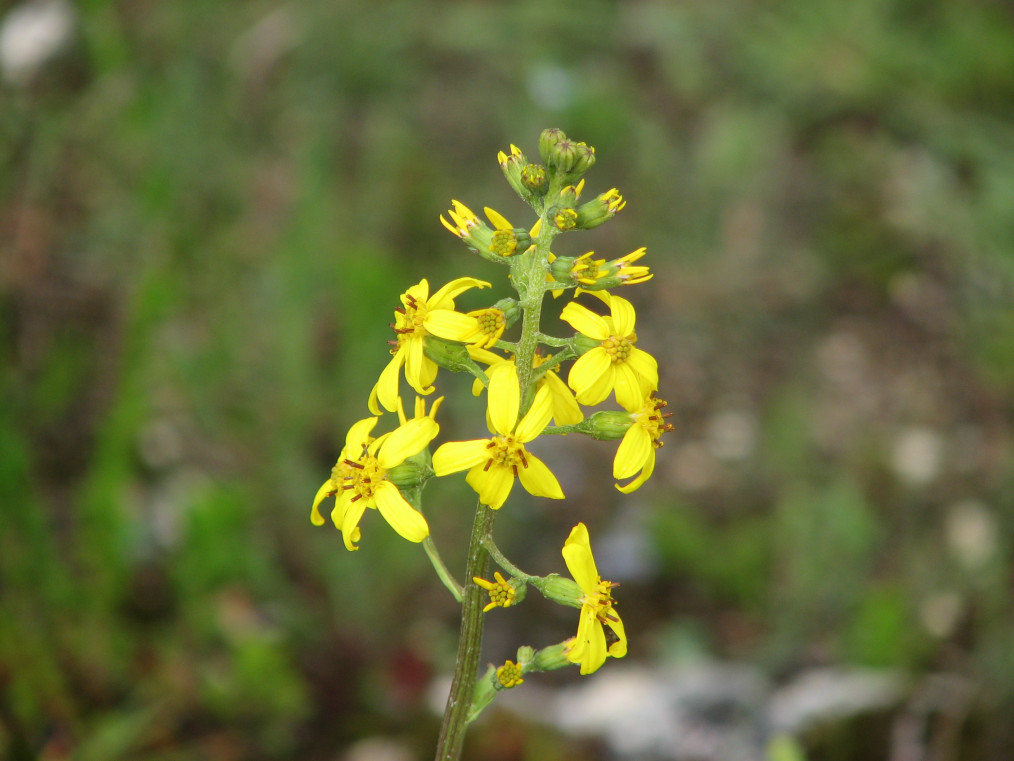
(583, 344)
(511, 310)
(450, 356)
(585, 159)
(525, 656)
(564, 156)
(602, 209)
(413, 472)
(547, 142)
(551, 658)
(607, 425)
(560, 589)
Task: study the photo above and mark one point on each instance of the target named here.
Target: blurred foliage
(207, 211)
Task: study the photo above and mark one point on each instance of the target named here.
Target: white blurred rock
(32, 35)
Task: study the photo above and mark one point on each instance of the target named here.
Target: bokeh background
(207, 212)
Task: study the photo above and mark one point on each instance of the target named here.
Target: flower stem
(500, 559)
(452, 731)
(442, 571)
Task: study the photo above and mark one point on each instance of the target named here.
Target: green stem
(442, 571)
(501, 560)
(452, 731)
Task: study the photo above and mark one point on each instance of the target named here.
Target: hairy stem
(452, 731)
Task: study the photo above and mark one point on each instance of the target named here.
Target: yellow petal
(591, 376)
(407, 440)
(565, 408)
(629, 387)
(580, 562)
(498, 220)
(451, 325)
(538, 479)
(537, 418)
(585, 321)
(590, 644)
(646, 366)
(619, 648)
(358, 437)
(326, 489)
(444, 298)
(632, 454)
(622, 312)
(455, 456)
(493, 486)
(504, 397)
(350, 522)
(404, 518)
(649, 468)
(387, 387)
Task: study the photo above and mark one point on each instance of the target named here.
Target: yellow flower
(410, 329)
(589, 646)
(636, 453)
(616, 363)
(360, 480)
(565, 408)
(509, 674)
(494, 463)
(481, 328)
(501, 593)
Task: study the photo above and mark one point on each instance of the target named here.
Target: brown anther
(487, 465)
(353, 464)
(524, 461)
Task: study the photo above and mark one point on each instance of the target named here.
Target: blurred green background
(207, 212)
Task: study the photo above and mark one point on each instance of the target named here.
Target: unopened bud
(450, 356)
(585, 159)
(564, 218)
(607, 425)
(602, 209)
(547, 142)
(413, 472)
(560, 589)
(552, 657)
(535, 179)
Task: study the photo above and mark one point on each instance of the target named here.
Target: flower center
(504, 243)
(363, 476)
(409, 322)
(506, 452)
(602, 600)
(491, 322)
(654, 421)
(619, 347)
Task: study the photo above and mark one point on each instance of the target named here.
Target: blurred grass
(207, 213)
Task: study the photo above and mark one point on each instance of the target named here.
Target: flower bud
(552, 657)
(511, 310)
(560, 589)
(547, 142)
(535, 179)
(413, 472)
(450, 356)
(563, 156)
(607, 425)
(602, 209)
(584, 344)
(585, 159)
(525, 656)
(563, 218)
(513, 167)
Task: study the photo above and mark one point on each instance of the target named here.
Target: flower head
(509, 674)
(359, 480)
(615, 363)
(481, 328)
(494, 463)
(501, 591)
(409, 345)
(497, 243)
(636, 453)
(589, 647)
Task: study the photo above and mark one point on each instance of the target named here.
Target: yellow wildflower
(616, 363)
(509, 674)
(501, 593)
(503, 240)
(408, 349)
(363, 482)
(494, 463)
(589, 647)
(636, 453)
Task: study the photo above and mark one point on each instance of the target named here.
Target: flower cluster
(520, 370)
